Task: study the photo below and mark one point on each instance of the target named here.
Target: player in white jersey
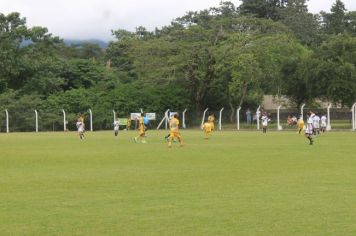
(309, 130)
(316, 120)
(323, 123)
(81, 128)
(265, 121)
(116, 125)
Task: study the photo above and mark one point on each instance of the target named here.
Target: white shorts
(307, 131)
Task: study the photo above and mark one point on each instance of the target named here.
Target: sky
(94, 19)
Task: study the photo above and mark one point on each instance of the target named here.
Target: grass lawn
(237, 183)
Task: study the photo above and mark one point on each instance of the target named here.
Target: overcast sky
(94, 19)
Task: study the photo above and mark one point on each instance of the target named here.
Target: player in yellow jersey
(300, 125)
(174, 131)
(207, 129)
(128, 125)
(211, 120)
(141, 130)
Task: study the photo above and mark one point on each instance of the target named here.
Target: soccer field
(237, 183)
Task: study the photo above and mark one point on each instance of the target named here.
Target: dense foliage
(219, 57)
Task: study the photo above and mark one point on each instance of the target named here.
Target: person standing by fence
(248, 116)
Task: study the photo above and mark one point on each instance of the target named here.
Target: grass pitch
(242, 183)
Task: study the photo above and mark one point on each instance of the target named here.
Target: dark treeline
(219, 57)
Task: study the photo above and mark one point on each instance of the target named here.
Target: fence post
(328, 127)
(258, 112)
(238, 118)
(279, 127)
(353, 116)
(36, 113)
(164, 119)
(302, 111)
(114, 113)
(183, 125)
(64, 120)
(203, 119)
(7, 121)
(220, 117)
(91, 120)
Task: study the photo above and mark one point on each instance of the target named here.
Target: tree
(246, 75)
(335, 21)
(22, 50)
(304, 25)
(328, 73)
(351, 22)
(262, 8)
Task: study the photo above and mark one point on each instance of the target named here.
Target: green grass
(242, 183)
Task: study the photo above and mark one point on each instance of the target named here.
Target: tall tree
(262, 8)
(304, 25)
(335, 21)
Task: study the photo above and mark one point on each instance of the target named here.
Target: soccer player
(309, 130)
(116, 127)
(316, 120)
(211, 120)
(323, 123)
(128, 126)
(300, 124)
(141, 130)
(265, 121)
(81, 128)
(174, 131)
(207, 130)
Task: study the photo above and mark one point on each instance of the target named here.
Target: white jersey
(323, 121)
(80, 126)
(309, 127)
(316, 121)
(264, 120)
(116, 125)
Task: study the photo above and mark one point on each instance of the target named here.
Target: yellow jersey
(300, 123)
(174, 125)
(207, 127)
(141, 126)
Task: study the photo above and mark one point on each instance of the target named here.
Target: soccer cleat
(135, 138)
(144, 141)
